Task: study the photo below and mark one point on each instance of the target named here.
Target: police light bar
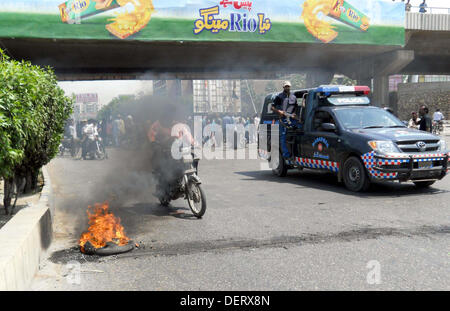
(336, 89)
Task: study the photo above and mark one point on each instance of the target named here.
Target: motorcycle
(438, 127)
(71, 144)
(96, 149)
(184, 184)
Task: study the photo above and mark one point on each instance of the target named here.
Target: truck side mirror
(329, 127)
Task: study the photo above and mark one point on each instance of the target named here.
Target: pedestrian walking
(118, 130)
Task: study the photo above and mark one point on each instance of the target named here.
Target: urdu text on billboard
(375, 22)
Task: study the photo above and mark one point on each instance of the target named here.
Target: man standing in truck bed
(285, 105)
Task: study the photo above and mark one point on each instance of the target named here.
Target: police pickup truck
(339, 131)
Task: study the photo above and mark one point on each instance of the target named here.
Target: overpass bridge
(426, 51)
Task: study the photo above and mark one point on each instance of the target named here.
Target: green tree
(33, 112)
(114, 107)
(298, 81)
(343, 80)
(271, 87)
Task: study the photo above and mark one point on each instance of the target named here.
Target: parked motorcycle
(185, 183)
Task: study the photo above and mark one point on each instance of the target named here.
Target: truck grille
(411, 145)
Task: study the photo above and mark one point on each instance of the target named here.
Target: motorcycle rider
(438, 119)
(165, 167)
(90, 134)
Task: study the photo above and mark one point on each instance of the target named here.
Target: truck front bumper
(407, 167)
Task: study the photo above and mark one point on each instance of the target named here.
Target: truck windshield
(363, 118)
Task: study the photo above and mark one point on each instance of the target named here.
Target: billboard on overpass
(376, 22)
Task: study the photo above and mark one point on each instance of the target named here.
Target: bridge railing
(431, 10)
(430, 22)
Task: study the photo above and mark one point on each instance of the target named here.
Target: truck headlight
(442, 145)
(383, 146)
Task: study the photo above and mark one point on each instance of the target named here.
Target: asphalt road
(260, 232)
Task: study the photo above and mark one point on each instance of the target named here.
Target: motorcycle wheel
(196, 199)
(100, 155)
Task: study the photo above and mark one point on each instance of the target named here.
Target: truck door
(319, 147)
(268, 118)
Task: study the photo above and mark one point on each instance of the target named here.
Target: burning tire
(110, 249)
(105, 235)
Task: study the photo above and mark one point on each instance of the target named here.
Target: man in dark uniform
(425, 120)
(285, 101)
(285, 105)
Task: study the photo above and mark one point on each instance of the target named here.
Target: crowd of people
(80, 135)
(123, 132)
(227, 124)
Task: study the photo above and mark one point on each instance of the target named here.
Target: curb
(25, 239)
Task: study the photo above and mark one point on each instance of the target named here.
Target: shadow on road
(156, 209)
(138, 213)
(138, 216)
(328, 182)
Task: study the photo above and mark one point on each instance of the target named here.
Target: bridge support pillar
(380, 92)
(384, 66)
(379, 68)
(174, 88)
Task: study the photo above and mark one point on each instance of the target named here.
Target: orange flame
(103, 227)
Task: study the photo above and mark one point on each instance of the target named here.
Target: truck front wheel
(355, 176)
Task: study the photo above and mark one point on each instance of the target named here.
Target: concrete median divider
(25, 239)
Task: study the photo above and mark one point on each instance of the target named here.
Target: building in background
(217, 96)
(86, 106)
(425, 78)
(435, 78)
(160, 87)
(394, 81)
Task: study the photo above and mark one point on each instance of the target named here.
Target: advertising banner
(375, 22)
(86, 98)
